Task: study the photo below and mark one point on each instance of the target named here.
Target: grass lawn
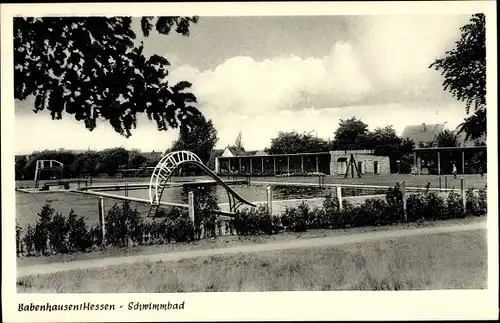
(435, 261)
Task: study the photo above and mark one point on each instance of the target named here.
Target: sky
(262, 75)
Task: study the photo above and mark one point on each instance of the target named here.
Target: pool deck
(128, 186)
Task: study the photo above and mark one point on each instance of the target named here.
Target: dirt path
(293, 244)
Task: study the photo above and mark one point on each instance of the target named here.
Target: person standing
(454, 171)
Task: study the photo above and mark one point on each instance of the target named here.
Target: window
(375, 167)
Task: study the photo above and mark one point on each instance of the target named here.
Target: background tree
(385, 142)
(20, 164)
(110, 160)
(136, 159)
(351, 133)
(447, 138)
(92, 67)
(294, 142)
(200, 138)
(85, 164)
(238, 143)
(464, 71)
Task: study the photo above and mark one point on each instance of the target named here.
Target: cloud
(400, 48)
(286, 82)
(388, 63)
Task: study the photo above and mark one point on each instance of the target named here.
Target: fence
(405, 191)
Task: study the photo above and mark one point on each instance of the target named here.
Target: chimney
(424, 128)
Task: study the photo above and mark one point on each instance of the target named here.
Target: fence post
(270, 199)
(126, 189)
(191, 206)
(339, 196)
(403, 197)
(462, 191)
(445, 182)
(439, 183)
(102, 222)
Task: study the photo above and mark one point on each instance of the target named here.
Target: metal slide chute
(166, 167)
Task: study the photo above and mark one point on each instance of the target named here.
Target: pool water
(252, 193)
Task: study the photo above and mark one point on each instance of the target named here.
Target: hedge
(54, 233)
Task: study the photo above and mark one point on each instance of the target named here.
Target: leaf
(464, 71)
(146, 25)
(84, 64)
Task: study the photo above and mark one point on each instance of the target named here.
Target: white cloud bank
(383, 78)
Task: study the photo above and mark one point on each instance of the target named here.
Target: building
(233, 151)
(328, 163)
(367, 162)
(423, 133)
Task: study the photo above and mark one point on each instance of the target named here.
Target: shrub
(454, 206)
(319, 219)
(471, 203)
(434, 207)
(58, 233)
(296, 219)
(331, 205)
(19, 243)
(78, 235)
(346, 216)
(483, 202)
(415, 207)
(116, 227)
(134, 224)
(158, 232)
(182, 228)
(277, 227)
(123, 224)
(371, 212)
(164, 230)
(42, 229)
(394, 199)
(29, 240)
(95, 236)
(254, 221)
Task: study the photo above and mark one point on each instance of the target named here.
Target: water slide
(166, 167)
(221, 182)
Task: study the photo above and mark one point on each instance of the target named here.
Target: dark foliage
(94, 68)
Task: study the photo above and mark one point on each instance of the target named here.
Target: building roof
(236, 151)
(423, 132)
(260, 153)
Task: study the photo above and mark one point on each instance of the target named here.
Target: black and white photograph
(172, 151)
